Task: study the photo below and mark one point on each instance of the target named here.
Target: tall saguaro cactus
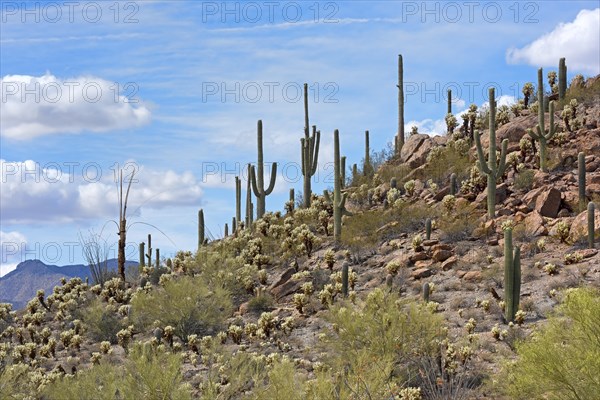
(149, 253)
(343, 172)
(339, 199)
(310, 152)
(142, 256)
(540, 133)
(249, 205)
(449, 102)
(400, 137)
(200, 228)
(258, 181)
(367, 167)
(494, 168)
(238, 201)
(562, 79)
(512, 276)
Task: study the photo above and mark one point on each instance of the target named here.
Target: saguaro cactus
(562, 79)
(249, 205)
(426, 290)
(149, 253)
(453, 184)
(345, 279)
(157, 258)
(258, 182)
(494, 168)
(339, 199)
(367, 167)
(233, 225)
(310, 152)
(581, 176)
(226, 232)
(449, 102)
(238, 201)
(428, 228)
(354, 174)
(591, 219)
(200, 228)
(512, 276)
(540, 133)
(399, 142)
(142, 256)
(343, 172)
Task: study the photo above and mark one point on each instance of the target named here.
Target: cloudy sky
(174, 90)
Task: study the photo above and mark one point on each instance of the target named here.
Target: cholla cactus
(552, 81)
(451, 123)
(550, 269)
(329, 258)
(393, 267)
(414, 130)
(527, 93)
(520, 317)
(267, 322)
(410, 393)
(307, 288)
(470, 325)
(562, 231)
(417, 242)
(235, 332)
(300, 301)
(409, 186)
(449, 202)
(503, 115)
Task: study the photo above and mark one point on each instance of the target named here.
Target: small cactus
(428, 228)
(512, 276)
(426, 292)
(453, 185)
(562, 79)
(345, 279)
(393, 183)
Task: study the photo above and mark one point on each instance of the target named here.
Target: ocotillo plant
(449, 102)
(258, 180)
(149, 253)
(428, 228)
(453, 185)
(591, 219)
(345, 279)
(399, 142)
(540, 130)
(238, 201)
(562, 79)
(512, 276)
(339, 199)
(310, 152)
(249, 205)
(581, 176)
(367, 167)
(494, 169)
(200, 228)
(142, 256)
(426, 292)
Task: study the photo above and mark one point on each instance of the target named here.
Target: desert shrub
(191, 305)
(263, 301)
(562, 360)
(102, 322)
(443, 161)
(148, 373)
(14, 381)
(524, 180)
(373, 344)
(284, 383)
(459, 224)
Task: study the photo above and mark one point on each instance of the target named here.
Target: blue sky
(175, 88)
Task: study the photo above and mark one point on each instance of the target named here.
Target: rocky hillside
(413, 280)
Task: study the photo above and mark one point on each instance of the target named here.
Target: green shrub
(102, 323)
(189, 304)
(524, 180)
(146, 374)
(562, 360)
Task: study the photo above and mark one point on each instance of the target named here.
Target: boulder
(449, 263)
(548, 202)
(421, 273)
(579, 230)
(513, 131)
(501, 195)
(415, 150)
(534, 224)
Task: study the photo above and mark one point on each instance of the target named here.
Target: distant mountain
(21, 285)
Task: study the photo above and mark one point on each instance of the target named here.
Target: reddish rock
(501, 195)
(540, 179)
(430, 242)
(421, 273)
(579, 230)
(441, 246)
(420, 256)
(423, 264)
(442, 255)
(548, 203)
(415, 149)
(449, 263)
(588, 253)
(534, 225)
(472, 276)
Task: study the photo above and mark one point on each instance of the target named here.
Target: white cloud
(11, 244)
(35, 193)
(577, 41)
(37, 106)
